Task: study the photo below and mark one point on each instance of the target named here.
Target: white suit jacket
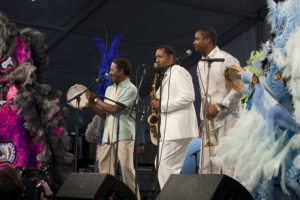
(219, 91)
(178, 117)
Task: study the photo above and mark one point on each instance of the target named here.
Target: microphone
(146, 66)
(213, 59)
(154, 65)
(99, 80)
(181, 58)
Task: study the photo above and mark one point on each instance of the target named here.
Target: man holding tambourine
(124, 92)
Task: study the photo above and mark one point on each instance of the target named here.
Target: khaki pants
(125, 156)
(208, 166)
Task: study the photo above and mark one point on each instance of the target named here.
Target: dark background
(71, 25)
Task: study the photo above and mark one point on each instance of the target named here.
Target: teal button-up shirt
(127, 124)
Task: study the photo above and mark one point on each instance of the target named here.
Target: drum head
(73, 91)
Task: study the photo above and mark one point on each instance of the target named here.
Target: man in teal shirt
(123, 91)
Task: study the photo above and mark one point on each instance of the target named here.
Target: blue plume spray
(107, 58)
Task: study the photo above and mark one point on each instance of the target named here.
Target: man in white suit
(178, 116)
(224, 102)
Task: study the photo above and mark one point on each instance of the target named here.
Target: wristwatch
(95, 100)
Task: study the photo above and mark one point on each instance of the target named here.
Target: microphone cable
(163, 139)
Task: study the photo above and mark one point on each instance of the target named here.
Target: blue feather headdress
(107, 58)
(284, 19)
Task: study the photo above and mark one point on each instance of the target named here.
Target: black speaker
(203, 187)
(93, 186)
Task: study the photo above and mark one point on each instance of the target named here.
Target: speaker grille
(204, 187)
(93, 186)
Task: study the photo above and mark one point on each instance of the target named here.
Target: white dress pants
(172, 154)
(208, 166)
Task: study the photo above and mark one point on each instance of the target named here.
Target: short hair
(11, 186)
(209, 32)
(168, 49)
(123, 63)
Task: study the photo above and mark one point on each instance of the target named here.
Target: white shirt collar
(213, 52)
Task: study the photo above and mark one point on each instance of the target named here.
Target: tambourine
(73, 91)
(233, 78)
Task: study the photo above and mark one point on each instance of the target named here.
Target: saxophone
(153, 118)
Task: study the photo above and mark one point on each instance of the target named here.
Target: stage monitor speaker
(93, 186)
(203, 187)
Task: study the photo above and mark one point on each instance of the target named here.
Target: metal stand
(205, 111)
(76, 134)
(204, 121)
(162, 73)
(120, 107)
(196, 160)
(78, 98)
(135, 108)
(117, 144)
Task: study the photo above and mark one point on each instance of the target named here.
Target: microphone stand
(196, 159)
(161, 71)
(205, 110)
(161, 74)
(120, 107)
(135, 102)
(137, 123)
(133, 108)
(78, 99)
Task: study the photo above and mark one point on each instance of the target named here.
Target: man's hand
(90, 96)
(200, 128)
(155, 104)
(212, 111)
(47, 193)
